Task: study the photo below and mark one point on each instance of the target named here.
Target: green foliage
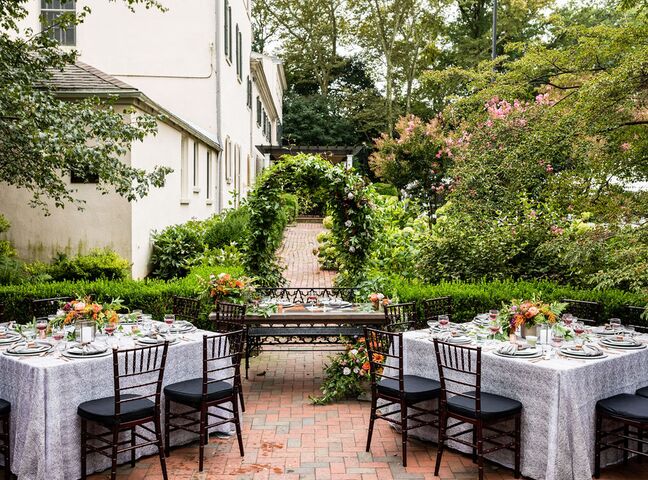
(352, 223)
(227, 229)
(385, 189)
(56, 135)
(291, 206)
(97, 264)
(176, 249)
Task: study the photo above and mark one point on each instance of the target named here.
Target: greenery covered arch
(348, 204)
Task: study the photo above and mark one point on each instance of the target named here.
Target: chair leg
(442, 434)
(372, 418)
(237, 425)
(113, 453)
(474, 442)
(626, 443)
(403, 407)
(597, 446)
(247, 357)
(480, 450)
(84, 440)
(158, 441)
(518, 445)
(132, 447)
(240, 390)
(202, 432)
(167, 426)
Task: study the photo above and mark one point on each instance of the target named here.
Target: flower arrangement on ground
(347, 373)
(226, 288)
(86, 309)
(378, 300)
(529, 313)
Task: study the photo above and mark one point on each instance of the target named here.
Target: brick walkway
(296, 252)
(286, 437)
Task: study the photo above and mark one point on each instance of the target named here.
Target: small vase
(529, 330)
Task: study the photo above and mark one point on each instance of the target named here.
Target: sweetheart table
(558, 397)
(45, 391)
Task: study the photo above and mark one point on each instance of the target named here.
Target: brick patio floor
(296, 252)
(286, 437)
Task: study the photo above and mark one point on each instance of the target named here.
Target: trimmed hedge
(470, 299)
(151, 296)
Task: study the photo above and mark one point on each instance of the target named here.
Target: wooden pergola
(334, 154)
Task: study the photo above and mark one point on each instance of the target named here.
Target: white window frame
(50, 10)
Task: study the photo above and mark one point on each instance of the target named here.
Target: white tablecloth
(45, 392)
(559, 398)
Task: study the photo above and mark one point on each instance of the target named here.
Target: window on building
(229, 33)
(279, 132)
(184, 167)
(258, 111)
(196, 166)
(226, 28)
(208, 174)
(228, 160)
(239, 53)
(51, 10)
(85, 175)
(249, 92)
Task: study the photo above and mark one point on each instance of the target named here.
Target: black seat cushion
(417, 389)
(189, 392)
(103, 410)
(643, 392)
(5, 407)
(625, 405)
(492, 406)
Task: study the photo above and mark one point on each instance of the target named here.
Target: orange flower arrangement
(86, 309)
(224, 287)
(529, 313)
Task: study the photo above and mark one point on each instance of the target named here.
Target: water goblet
(30, 336)
(444, 320)
(579, 328)
(58, 334)
(41, 327)
(615, 323)
(557, 339)
(492, 315)
(567, 319)
(630, 330)
(169, 319)
(494, 328)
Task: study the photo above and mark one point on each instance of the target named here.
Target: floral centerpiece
(84, 309)
(526, 314)
(226, 288)
(378, 300)
(347, 374)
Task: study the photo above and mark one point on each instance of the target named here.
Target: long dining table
(45, 391)
(558, 395)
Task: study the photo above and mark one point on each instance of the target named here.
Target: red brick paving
(296, 252)
(286, 437)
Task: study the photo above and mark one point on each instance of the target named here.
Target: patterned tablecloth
(44, 393)
(559, 397)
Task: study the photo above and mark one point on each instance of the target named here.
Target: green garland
(348, 203)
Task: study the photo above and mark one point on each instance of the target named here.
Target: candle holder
(85, 332)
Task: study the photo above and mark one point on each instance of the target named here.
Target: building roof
(333, 153)
(81, 80)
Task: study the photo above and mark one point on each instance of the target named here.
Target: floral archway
(348, 204)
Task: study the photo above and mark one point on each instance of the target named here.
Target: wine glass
(492, 315)
(494, 328)
(568, 319)
(41, 326)
(444, 320)
(169, 319)
(615, 323)
(58, 334)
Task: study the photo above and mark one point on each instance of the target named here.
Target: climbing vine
(347, 202)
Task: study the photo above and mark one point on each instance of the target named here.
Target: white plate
(148, 342)
(623, 347)
(91, 351)
(582, 357)
(67, 354)
(537, 354)
(459, 340)
(10, 338)
(22, 351)
(573, 352)
(604, 331)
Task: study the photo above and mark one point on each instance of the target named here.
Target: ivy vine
(348, 204)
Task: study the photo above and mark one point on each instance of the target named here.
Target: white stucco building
(194, 64)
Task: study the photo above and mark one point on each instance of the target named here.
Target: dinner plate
(91, 350)
(459, 340)
(619, 343)
(605, 331)
(182, 327)
(482, 319)
(574, 352)
(148, 341)
(582, 357)
(22, 350)
(534, 354)
(9, 338)
(67, 354)
(636, 346)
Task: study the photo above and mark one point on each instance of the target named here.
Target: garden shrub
(386, 189)
(228, 228)
(176, 249)
(95, 265)
(291, 206)
(11, 269)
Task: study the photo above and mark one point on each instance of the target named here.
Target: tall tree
(42, 136)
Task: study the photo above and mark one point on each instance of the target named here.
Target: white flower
(221, 275)
(356, 370)
(350, 196)
(346, 371)
(353, 352)
(348, 223)
(352, 249)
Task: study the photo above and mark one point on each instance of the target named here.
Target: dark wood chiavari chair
(229, 318)
(621, 413)
(187, 309)
(401, 317)
(221, 358)
(462, 399)
(390, 384)
(140, 372)
(586, 312)
(434, 307)
(43, 307)
(634, 316)
(5, 437)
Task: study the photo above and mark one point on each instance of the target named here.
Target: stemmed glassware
(444, 320)
(579, 329)
(169, 319)
(494, 328)
(58, 334)
(41, 326)
(615, 323)
(568, 319)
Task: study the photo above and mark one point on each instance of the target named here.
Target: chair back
(43, 307)
(459, 372)
(222, 356)
(230, 313)
(401, 317)
(385, 356)
(185, 308)
(434, 307)
(587, 312)
(632, 316)
(139, 371)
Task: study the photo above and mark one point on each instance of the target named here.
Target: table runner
(559, 398)
(44, 393)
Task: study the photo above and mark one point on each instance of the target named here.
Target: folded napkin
(90, 349)
(592, 350)
(508, 349)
